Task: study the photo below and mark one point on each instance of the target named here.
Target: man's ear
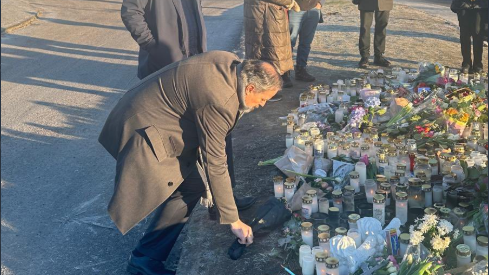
(249, 89)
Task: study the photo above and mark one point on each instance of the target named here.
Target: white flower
(455, 233)
(411, 228)
(444, 227)
(424, 227)
(440, 244)
(416, 237)
(430, 220)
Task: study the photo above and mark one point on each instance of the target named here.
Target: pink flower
(364, 158)
(477, 113)
(324, 185)
(441, 81)
(438, 110)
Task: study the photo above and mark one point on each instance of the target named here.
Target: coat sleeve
(213, 124)
(132, 14)
(279, 2)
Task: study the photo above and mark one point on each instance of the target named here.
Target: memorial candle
(352, 221)
(306, 207)
(463, 255)
(386, 189)
(289, 191)
(304, 250)
(323, 239)
(482, 246)
(306, 233)
(361, 168)
(469, 238)
(404, 243)
(370, 188)
(321, 263)
(332, 151)
(338, 199)
(289, 140)
(332, 266)
(290, 127)
(323, 205)
(428, 197)
(278, 186)
(379, 208)
(307, 265)
(313, 194)
(437, 194)
(355, 181)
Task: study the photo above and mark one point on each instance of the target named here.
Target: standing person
(472, 19)
(369, 9)
(156, 133)
(267, 35)
(166, 31)
(303, 24)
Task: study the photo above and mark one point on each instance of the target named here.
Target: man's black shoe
(478, 68)
(241, 204)
(287, 82)
(381, 61)
(143, 265)
(301, 74)
(466, 68)
(363, 62)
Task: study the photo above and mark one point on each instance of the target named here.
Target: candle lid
(379, 176)
(458, 211)
(290, 179)
(414, 182)
(340, 231)
(401, 166)
(311, 193)
(482, 240)
(394, 179)
(438, 205)
(468, 230)
(337, 194)
(332, 262)
(334, 209)
(350, 188)
(321, 257)
(278, 178)
(378, 144)
(385, 186)
(355, 144)
(430, 211)
(392, 154)
(433, 162)
(353, 218)
(445, 211)
(379, 198)
(289, 185)
(364, 147)
(332, 146)
(323, 228)
(306, 199)
(405, 237)
(382, 180)
(401, 196)
(306, 226)
(463, 250)
(426, 187)
(308, 143)
(463, 205)
(345, 146)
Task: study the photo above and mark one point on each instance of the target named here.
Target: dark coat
(267, 35)
(160, 29)
(375, 5)
(458, 5)
(155, 129)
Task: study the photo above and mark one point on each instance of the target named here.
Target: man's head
(260, 81)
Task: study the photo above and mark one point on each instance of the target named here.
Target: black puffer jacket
(468, 5)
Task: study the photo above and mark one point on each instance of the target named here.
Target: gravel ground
(412, 36)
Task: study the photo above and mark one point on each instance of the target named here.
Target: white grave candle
(401, 207)
(323, 240)
(278, 186)
(332, 150)
(355, 181)
(428, 195)
(307, 265)
(304, 250)
(306, 207)
(338, 116)
(437, 194)
(316, 250)
(306, 233)
(323, 205)
(379, 208)
(289, 191)
(361, 168)
(321, 263)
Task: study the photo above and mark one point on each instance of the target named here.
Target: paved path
(60, 78)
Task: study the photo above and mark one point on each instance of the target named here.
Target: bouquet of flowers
(434, 233)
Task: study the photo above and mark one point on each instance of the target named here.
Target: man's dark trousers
(473, 23)
(381, 20)
(170, 217)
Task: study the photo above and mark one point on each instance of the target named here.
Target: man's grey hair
(263, 75)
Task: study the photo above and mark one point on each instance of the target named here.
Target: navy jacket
(160, 29)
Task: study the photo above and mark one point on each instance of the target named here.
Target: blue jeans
(303, 24)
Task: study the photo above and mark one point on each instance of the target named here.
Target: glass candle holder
(332, 266)
(352, 221)
(306, 207)
(430, 211)
(386, 190)
(434, 166)
(428, 195)
(289, 191)
(404, 243)
(338, 199)
(402, 207)
(355, 150)
(290, 127)
(459, 171)
(355, 235)
(463, 255)
(332, 151)
(379, 208)
(445, 213)
(437, 193)
(415, 194)
(370, 188)
(308, 148)
(319, 148)
(482, 246)
(313, 194)
(355, 180)
(304, 250)
(306, 233)
(349, 201)
(393, 181)
(340, 231)
(323, 239)
(289, 140)
(323, 205)
(308, 265)
(460, 219)
(361, 168)
(469, 238)
(321, 263)
(278, 186)
(324, 228)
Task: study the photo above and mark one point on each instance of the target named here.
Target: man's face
(254, 99)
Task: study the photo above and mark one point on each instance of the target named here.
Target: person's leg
(366, 18)
(381, 21)
(295, 23)
(464, 21)
(306, 36)
(169, 219)
(478, 39)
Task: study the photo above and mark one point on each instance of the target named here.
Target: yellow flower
(465, 117)
(415, 118)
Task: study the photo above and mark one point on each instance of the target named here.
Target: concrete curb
(22, 24)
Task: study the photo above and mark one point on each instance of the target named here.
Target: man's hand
(318, 6)
(243, 232)
(293, 6)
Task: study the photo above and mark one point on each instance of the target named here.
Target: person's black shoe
(381, 61)
(466, 68)
(301, 74)
(287, 82)
(142, 265)
(478, 68)
(363, 62)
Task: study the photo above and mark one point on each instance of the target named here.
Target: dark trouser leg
(479, 36)
(230, 161)
(465, 22)
(170, 217)
(306, 36)
(381, 21)
(366, 18)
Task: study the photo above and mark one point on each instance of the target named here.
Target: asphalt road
(60, 77)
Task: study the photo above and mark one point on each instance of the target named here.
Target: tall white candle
(469, 237)
(306, 233)
(313, 195)
(338, 116)
(361, 168)
(304, 250)
(437, 194)
(404, 242)
(332, 266)
(332, 151)
(428, 195)
(289, 191)
(379, 208)
(355, 181)
(306, 207)
(289, 140)
(278, 186)
(307, 265)
(323, 240)
(401, 207)
(370, 188)
(323, 205)
(355, 235)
